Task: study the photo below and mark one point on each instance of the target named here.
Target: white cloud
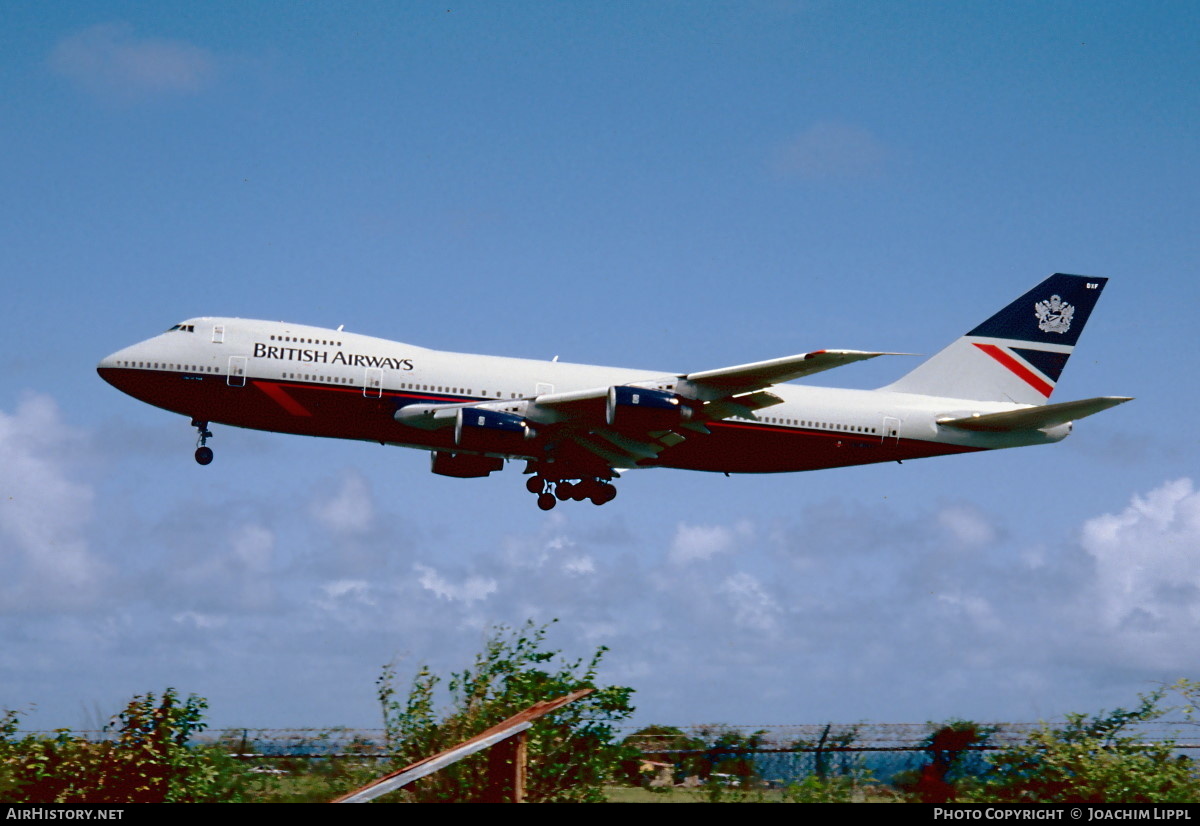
(967, 526)
(472, 589)
(45, 512)
(110, 61)
(533, 552)
(753, 607)
(828, 602)
(832, 150)
(971, 607)
(254, 547)
(1146, 593)
(358, 589)
(579, 565)
(200, 621)
(697, 542)
(351, 510)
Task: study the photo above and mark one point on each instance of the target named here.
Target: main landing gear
(204, 453)
(550, 492)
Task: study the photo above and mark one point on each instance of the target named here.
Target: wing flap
(1035, 418)
(743, 406)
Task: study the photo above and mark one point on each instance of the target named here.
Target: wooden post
(520, 765)
(515, 753)
(508, 762)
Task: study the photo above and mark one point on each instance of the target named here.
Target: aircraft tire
(535, 484)
(546, 501)
(563, 491)
(204, 455)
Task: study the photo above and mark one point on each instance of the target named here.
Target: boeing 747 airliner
(577, 426)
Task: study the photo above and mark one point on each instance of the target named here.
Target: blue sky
(674, 186)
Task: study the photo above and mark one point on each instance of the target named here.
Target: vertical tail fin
(1016, 355)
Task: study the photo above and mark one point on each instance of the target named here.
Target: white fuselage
(309, 380)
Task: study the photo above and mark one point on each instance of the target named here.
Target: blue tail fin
(1016, 355)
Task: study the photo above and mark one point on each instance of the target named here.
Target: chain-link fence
(774, 753)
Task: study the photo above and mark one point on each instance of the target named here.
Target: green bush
(840, 789)
(1091, 760)
(571, 753)
(149, 761)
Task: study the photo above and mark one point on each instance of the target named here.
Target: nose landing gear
(204, 453)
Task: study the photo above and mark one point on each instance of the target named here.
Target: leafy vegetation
(955, 759)
(571, 752)
(149, 761)
(150, 753)
(831, 755)
(839, 789)
(1092, 760)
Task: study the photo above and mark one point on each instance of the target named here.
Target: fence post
(508, 762)
(822, 767)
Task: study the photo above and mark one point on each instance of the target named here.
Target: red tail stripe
(1020, 369)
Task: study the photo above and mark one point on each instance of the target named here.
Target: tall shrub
(571, 753)
(1092, 760)
(151, 759)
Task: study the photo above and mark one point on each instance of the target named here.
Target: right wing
(629, 425)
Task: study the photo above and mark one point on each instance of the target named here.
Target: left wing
(725, 381)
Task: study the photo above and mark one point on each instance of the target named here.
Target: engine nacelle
(1058, 432)
(463, 465)
(478, 428)
(645, 409)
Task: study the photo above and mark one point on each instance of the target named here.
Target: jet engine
(463, 465)
(645, 409)
(477, 428)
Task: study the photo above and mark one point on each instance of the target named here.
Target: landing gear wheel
(535, 484)
(604, 494)
(204, 454)
(546, 501)
(563, 491)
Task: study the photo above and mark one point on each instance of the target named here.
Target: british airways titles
(307, 356)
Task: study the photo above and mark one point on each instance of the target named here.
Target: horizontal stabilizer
(1035, 418)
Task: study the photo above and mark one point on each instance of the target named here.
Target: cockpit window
(183, 328)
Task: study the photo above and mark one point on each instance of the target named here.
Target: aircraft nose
(109, 366)
(106, 366)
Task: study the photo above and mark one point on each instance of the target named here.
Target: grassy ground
(322, 786)
(630, 794)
